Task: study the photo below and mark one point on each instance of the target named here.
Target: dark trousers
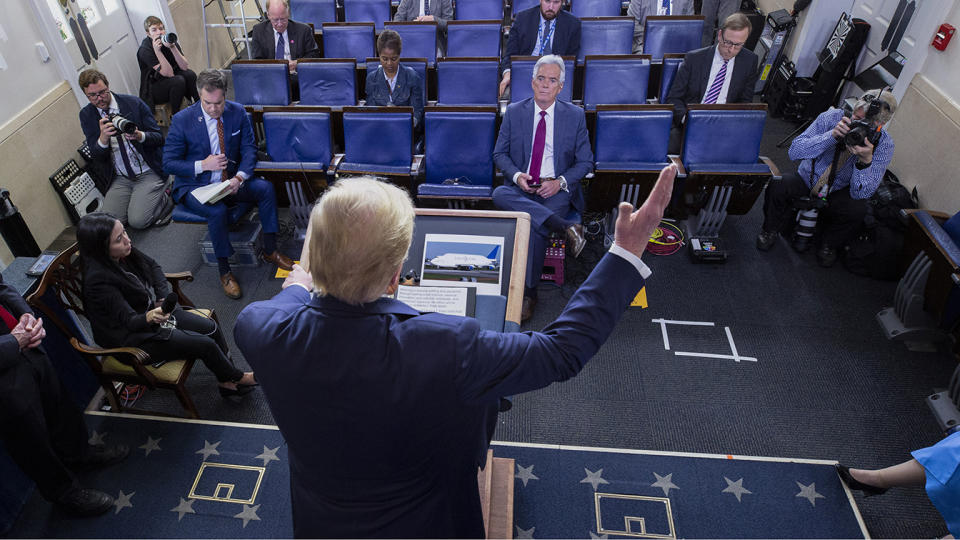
(39, 425)
(173, 89)
(255, 190)
(837, 223)
(195, 337)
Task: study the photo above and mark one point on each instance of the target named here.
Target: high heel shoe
(853, 483)
(240, 390)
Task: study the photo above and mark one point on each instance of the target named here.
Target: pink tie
(538, 141)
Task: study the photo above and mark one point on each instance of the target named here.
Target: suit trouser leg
(189, 340)
(116, 200)
(511, 197)
(148, 200)
(260, 191)
(218, 225)
(778, 199)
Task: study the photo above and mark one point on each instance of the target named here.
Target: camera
(867, 128)
(810, 203)
(169, 38)
(808, 209)
(122, 124)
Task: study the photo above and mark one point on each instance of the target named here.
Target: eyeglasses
(278, 21)
(731, 44)
(99, 94)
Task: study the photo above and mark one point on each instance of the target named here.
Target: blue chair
(605, 35)
(348, 40)
(459, 146)
(260, 82)
(467, 81)
(474, 37)
(517, 6)
(417, 64)
(419, 39)
(327, 81)
(521, 73)
(595, 8)
(314, 11)
(375, 11)
(615, 80)
(672, 34)
(479, 10)
(378, 141)
(671, 63)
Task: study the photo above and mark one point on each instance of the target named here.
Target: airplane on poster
(463, 261)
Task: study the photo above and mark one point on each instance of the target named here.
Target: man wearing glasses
(279, 38)
(725, 73)
(131, 160)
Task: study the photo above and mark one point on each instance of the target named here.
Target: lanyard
(544, 41)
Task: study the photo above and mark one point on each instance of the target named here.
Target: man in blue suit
(209, 142)
(544, 151)
(540, 30)
(387, 413)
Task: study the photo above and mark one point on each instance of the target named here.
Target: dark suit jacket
(408, 91)
(385, 411)
(526, 26)
(188, 142)
(116, 301)
(691, 82)
(302, 44)
(572, 156)
(134, 109)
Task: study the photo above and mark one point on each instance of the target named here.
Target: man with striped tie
(721, 73)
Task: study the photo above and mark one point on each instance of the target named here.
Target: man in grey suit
(544, 160)
(425, 11)
(641, 9)
(714, 12)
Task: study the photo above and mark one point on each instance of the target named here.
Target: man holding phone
(544, 149)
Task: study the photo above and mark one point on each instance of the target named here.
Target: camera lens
(170, 38)
(123, 125)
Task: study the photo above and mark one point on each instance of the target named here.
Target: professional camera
(122, 124)
(169, 38)
(808, 209)
(868, 128)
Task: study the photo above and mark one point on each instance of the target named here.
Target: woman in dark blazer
(123, 290)
(407, 90)
(165, 74)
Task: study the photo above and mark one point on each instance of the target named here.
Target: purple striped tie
(714, 91)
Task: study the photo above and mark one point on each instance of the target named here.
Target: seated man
(725, 73)
(165, 74)
(540, 30)
(641, 9)
(544, 166)
(840, 166)
(137, 194)
(212, 141)
(428, 10)
(280, 38)
(42, 431)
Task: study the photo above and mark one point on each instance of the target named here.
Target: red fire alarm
(943, 36)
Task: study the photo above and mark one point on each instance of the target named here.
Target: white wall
(942, 68)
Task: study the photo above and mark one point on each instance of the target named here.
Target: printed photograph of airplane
(463, 261)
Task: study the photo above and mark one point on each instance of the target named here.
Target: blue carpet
(583, 492)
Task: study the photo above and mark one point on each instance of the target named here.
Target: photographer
(843, 160)
(165, 75)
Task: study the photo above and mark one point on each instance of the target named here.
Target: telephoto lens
(123, 125)
(169, 38)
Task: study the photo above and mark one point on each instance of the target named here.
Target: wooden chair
(129, 365)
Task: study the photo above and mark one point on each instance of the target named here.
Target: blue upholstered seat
(605, 35)
(297, 140)
(521, 75)
(463, 81)
(671, 63)
(328, 81)
(632, 138)
(459, 145)
(479, 10)
(474, 38)
(377, 140)
(615, 80)
(419, 39)
(260, 82)
(671, 34)
(595, 8)
(375, 11)
(723, 138)
(314, 11)
(348, 40)
(520, 5)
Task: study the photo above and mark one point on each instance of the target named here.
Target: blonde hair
(361, 230)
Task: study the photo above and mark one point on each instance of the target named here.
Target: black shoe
(81, 502)
(239, 391)
(505, 404)
(99, 456)
(853, 483)
(826, 256)
(766, 240)
(167, 214)
(800, 244)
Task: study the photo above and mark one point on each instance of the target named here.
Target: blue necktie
(426, 7)
(666, 7)
(280, 49)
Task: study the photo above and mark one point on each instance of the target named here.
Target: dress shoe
(99, 456)
(526, 310)
(230, 286)
(279, 259)
(240, 390)
(81, 502)
(853, 483)
(826, 256)
(167, 214)
(575, 240)
(766, 240)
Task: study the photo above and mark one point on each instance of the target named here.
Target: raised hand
(634, 228)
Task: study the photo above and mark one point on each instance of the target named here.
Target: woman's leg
(183, 344)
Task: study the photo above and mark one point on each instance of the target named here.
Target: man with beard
(540, 30)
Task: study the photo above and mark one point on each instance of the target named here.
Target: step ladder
(235, 24)
(496, 496)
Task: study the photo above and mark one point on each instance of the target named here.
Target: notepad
(212, 193)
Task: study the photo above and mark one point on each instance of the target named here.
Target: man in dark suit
(40, 428)
(280, 38)
(137, 194)
(543, 159)
(387, 413)
(210, 142)
(537, 31)
(725, 73)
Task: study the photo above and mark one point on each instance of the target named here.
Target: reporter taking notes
(388, 413)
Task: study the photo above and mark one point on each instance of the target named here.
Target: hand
(28, 332)
(135, 136)
(523, 180)
(214, 162)
(548, 188)
(633, 229)
(504, 83)
(298, 276)
(235, 183)
(425, 18)
(863, 152)
(292, 65)
(157, 43)
(106, 131)
(157, 316)
(841, 129)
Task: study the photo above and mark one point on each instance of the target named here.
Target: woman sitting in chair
(392, 84)
(123, 291)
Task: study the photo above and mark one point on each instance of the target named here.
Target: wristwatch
(563, 183)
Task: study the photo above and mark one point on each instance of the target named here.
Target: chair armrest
(676, 161)
(335, 163)
(939, 216)
(773, 166)
(136, 358)
(175, 279)
(416, 167)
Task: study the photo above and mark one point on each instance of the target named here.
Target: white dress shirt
(136, 160)
(632, 259)
(211, 124)
(714, 68)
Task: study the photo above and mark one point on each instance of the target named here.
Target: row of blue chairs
(607, 79)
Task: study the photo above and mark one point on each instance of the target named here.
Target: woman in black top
(123, 290)
(165, 75)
